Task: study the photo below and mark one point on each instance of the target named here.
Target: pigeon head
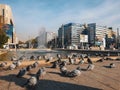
(78, 68)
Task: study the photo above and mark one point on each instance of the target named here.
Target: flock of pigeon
(59, 63)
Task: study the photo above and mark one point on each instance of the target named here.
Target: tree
(21, 42)
(34, 42)
(3, 38)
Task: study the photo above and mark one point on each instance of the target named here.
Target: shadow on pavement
(45, 84)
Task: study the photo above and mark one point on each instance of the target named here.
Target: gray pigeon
(112, 65)
(35, 65)
(32, 57)
(81, 61)
(28, 68)
(58, 56)
(12, 67)
(64, 71)
(18, 63)
(54, 64)
(22, 58)
(90, 67)
(3, 64)
(31, 82)
(41, 72)
(38, 57)
(14, 58)
(74, 73)
(45, 57)
(21, 72)
(89, 60)
(63, 63)
(71, 61)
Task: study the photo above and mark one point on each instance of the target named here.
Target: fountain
(42, 38)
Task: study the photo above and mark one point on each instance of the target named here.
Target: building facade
(85, 35)
(96, 33)
(7, 23)
(91, 33)
(101, 31)
(69, 34)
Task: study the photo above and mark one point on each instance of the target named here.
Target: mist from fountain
(41, 39)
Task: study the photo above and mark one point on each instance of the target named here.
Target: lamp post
(63, 36)
(117, 38)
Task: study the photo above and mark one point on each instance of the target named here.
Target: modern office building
(69, 34)
(96, 32)
(7, 23)
(101, 31)
(91, 33)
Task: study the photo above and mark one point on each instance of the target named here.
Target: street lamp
(63, 36)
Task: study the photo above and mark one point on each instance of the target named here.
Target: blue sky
(30, 16)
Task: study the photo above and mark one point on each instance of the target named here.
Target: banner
(83, 38)
(9, 29)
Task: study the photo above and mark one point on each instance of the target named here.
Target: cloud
(31, 16)
(106, 13)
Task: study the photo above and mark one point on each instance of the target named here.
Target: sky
(31, 16)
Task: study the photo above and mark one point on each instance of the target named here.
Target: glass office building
(69, 34)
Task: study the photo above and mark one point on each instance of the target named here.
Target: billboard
(9, 30)
(83, 38)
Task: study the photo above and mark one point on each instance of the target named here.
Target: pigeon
(118, 59)
(22, 58)
(3, 64)
(64, 71)
(21, 72)
(63, 63)
(12, 67)
(32, 57)
(59, 60)
(90, 67)
(112, 65)
(38, 57)
(55, 64)
(47, 60)
(45, 57)
(100, 60)
(81, 62)
(28, 68)
(35, 65)
(18, 63)
(31, 82)
(71, 61)
(74, 73)
(89, 60)
(41, 72)
(82, 57)
(58, 56)
(14, 58)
